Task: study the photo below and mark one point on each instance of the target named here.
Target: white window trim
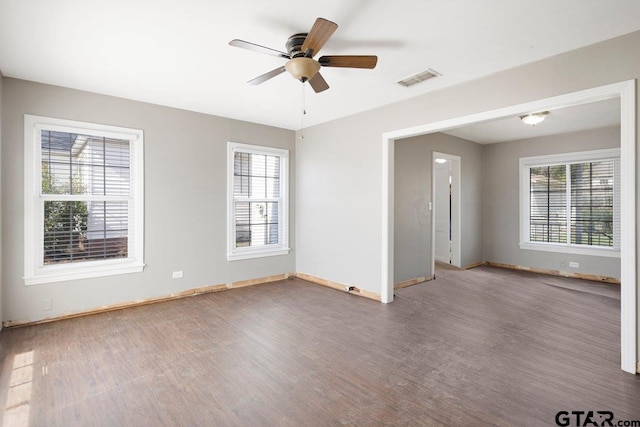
(35, 272)
(583, 156)
(233, 253)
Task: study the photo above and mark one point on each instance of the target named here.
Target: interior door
(442, 199)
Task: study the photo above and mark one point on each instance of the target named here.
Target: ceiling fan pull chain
(304, 112)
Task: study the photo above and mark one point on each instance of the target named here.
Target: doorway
(626, 92)
(446, 209)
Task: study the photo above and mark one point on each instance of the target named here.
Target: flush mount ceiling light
(534, 118)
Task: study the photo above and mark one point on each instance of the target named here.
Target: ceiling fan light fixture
(534, 118)
(302, 68)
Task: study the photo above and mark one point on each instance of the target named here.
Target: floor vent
(417, 78)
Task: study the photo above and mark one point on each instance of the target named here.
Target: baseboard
(259, 281)
(183, 294)
(592, 277)
(412, 282)
(307, 277)
(475, 265)
(339, 286)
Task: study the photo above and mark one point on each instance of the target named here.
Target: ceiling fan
(301, 48)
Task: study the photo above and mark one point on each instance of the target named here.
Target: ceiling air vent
(417, 78)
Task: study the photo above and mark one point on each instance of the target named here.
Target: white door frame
(626, 91)
(456, 241)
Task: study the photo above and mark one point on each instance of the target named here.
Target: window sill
(59, 273)
(260, 253)
(567, 249)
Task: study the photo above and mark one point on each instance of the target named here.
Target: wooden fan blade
(318, 83)
(257, 48)
(266, 76)
(349, 61)
(320, 32)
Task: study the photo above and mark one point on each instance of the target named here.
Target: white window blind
(83, 198)
(592, 203)
(548, 204)
(86, 185)
(572, 201)
(257, 201)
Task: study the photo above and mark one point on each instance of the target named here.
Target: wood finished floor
(479, 347)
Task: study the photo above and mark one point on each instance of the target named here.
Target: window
(258, 201)
(83, 200)
(571, 203)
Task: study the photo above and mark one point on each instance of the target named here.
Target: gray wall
(185, 199)
(413, 192)
(501, 207)
(340, 178)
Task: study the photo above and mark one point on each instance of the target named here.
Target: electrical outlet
(177, 275)
(573, 264)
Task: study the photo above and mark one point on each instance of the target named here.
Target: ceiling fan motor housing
(294, 44)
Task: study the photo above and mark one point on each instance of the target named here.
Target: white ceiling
(594, 115)
(176, 53)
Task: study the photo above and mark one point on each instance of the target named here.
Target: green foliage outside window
(65, 222)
